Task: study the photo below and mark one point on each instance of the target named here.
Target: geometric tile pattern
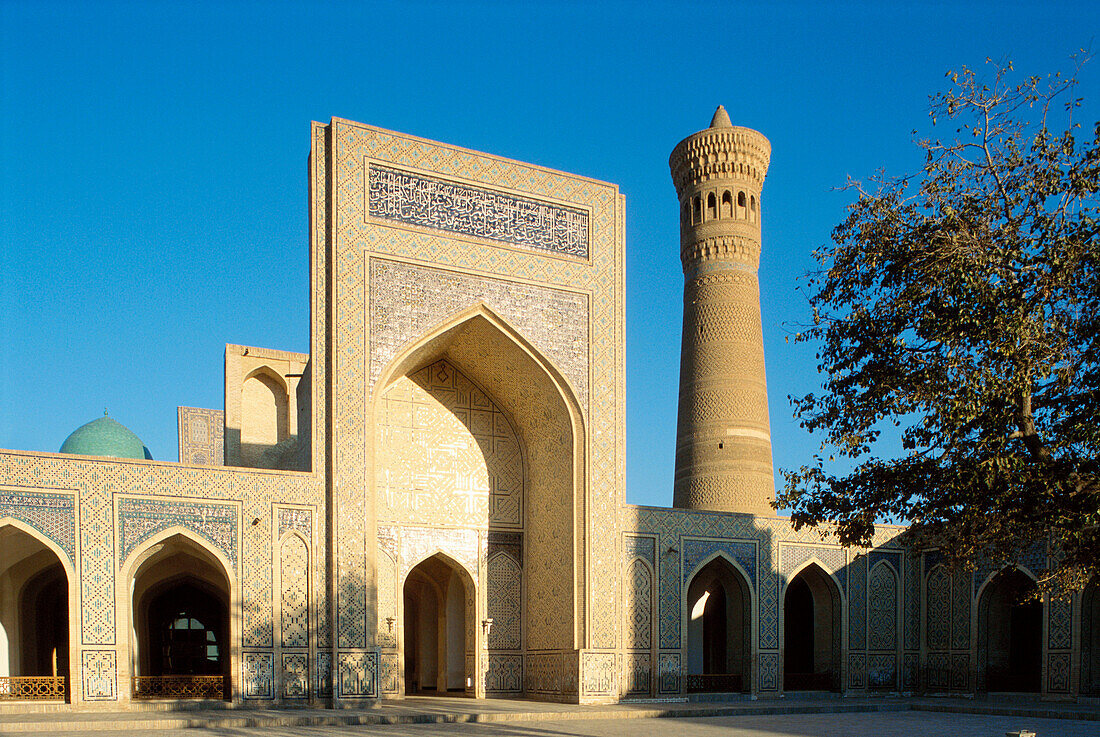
(503, 673)
(882, 671)
(504, 595)
(639, 606)
(911, 603)
(51, 514)
(857, 670)
(639, 673)
(1058, 669)
(882, 608)
(298, 520)
(295, 676)
(258, 679)
(98, 675)
(857, 604)
(668, 673)
(769, 671)
(428, 202)
(294, 578)
(1060, 622)
(201, 436)
(446, 454)
(358, 676)
(139, 519)
(938, 608)
(960, 610)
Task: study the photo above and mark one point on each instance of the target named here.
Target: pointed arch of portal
(813, 608)
(718, 611)
(542, 408)
(1010, 632)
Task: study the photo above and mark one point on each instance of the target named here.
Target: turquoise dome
(105, 437)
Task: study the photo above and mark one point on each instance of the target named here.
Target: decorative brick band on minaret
(723, 441)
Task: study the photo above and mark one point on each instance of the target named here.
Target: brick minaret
(723, 443)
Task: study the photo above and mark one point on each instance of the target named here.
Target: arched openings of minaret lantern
(696, 210)
(712, 207)
(727, 204)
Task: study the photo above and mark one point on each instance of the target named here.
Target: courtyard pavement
(880, 717)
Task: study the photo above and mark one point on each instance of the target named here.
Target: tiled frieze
(294, 519)
(424, 201)
(418, 543)
(697, 551)
(141, 518)
(51, 513)
(636, 546)
(503, 673)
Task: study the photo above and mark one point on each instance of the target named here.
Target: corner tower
(723, 442)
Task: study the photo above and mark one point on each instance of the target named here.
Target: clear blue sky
(153, 166)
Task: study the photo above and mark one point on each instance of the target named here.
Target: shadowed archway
(1010, 633)
(719, 629)
(811, 632)
(438, 628)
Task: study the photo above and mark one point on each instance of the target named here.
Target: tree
(961, 306)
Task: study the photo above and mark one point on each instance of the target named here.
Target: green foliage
(961, 304)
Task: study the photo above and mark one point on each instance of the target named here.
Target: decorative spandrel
(453, 207)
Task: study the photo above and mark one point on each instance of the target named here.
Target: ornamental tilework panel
(668, 673)
(1060, 623)
(140, 519)
(937, 677)
(544, 673)
(292, 519)
(792, 556)
(769, 671)
(390, 673)
(938, 608)
(639, 605)
(294, 579)
(960, 610)
(419, 543)
(446, 454)
(911, 605)
(743, 553)
(418, 298)
(601, 673)
(479, 212)
(358, 675)
(54, 515)
(504, 673)
(882, 623)
(386, 578)
(635, 546)
(882, 671)
(324, 673)
(201, 436)
(504, 596)
(639, 673)
(600, 278)
(295, 676)
(910, 672)
(258, 678)
(960, 664)
(502, 541)
(769, 608)
(857, 670)
(99, 675)
(857, 603)
(1058, 668)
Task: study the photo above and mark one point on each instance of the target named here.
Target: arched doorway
(719, 629)
(1010, 633)
(1090, 639)
(437, 627)
(181, 627)
(34, 619)
(811, 632)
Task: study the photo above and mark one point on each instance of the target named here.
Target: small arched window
(740, 199)
(697, 210)
(712, 206)
(752, 203)
(687, 213)
(727, 204)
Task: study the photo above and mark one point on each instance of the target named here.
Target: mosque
(432, 499)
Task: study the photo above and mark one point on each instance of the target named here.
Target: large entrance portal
(1010, 627)
(34, 619)
(811, 632)
(719, 627)
(438, 628)
(181, 644)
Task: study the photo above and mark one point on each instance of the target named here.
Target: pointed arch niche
(181, 628)
(37, 600)
(438, 633)
(811, 631)
(719, 628)
(507, 453)
(1010, 633)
